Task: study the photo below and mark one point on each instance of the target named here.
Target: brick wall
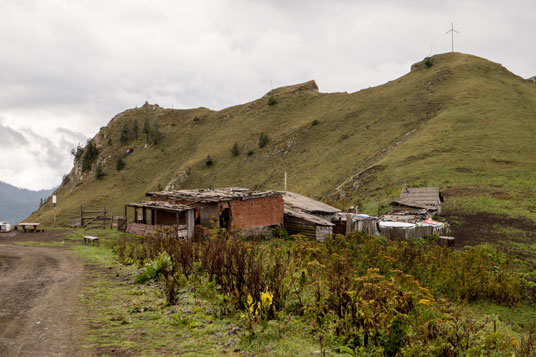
(263, 211)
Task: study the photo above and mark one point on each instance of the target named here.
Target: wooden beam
(349, 224)
(190, 223)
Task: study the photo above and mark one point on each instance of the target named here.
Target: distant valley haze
(17, 203)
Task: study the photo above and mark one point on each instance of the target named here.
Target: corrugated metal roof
(307, 204)
(213, 195)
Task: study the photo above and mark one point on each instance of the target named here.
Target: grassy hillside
(464, 123)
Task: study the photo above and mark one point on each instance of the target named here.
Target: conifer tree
(146, 129)
(156, 134)
(135, 128)
(263, 140)
(124, 132)
(235, 150)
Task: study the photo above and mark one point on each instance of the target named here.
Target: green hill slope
(465, 124)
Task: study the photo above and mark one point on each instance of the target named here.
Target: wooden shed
(153, 217)
(309, 217)
(417, 199)
(311, 226)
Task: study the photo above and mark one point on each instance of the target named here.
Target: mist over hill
(18, 203)
(456, 121)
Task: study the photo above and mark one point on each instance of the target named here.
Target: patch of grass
(41, 244)
(519, 318)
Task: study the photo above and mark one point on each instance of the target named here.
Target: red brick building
(251, 212)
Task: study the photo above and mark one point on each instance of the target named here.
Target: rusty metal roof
(160, 205)
(213, 195)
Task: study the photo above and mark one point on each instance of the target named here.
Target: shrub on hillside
(263, 140)
(99, 172)
(235, 150)
(272, 101)
(78, 152)
(208, 161)
(120, 164)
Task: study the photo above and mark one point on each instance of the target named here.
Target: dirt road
(39, 287)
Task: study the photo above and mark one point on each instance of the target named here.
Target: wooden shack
(152, 218)
(418, 200)
(309, 217)
(299, 222)
(248, 211)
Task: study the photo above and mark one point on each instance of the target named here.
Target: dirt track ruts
(39, 288)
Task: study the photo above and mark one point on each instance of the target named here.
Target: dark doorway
(225, 218)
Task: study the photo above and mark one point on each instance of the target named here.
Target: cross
(451, 31)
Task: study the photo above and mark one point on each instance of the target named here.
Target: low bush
(99, 172)
(120, 164)
(263, 140)
(208, 161)
(235, 151)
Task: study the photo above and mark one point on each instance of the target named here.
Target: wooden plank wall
(370, 226)
(294, 225)
(148, 230)
(403, 234)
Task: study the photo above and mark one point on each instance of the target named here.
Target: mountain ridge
(455, 121)
(17, 203)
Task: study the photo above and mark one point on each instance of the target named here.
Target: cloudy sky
(68, 66)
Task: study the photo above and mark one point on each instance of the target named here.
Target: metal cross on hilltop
(451, 31)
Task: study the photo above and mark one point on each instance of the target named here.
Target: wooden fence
(371, 226)
(405, 233)
(91, 219)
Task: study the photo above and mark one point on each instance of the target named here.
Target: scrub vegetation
(358, 295)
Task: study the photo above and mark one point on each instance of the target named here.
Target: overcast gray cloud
(68, 66)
